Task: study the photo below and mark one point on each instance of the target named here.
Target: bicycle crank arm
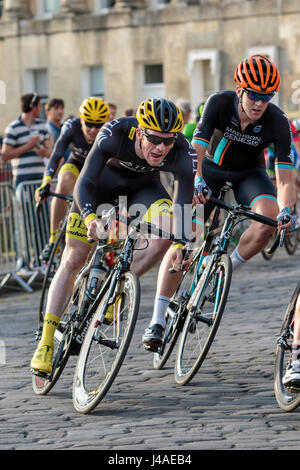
(108, 342)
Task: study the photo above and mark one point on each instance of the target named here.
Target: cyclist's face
(90, 133)
(253, 109)
(154, 154)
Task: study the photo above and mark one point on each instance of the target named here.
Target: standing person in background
(27, 141)
(112, 111)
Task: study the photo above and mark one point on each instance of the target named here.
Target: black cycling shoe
(45, 255)
(153, 336)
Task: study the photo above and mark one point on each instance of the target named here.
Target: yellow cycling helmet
(160, 115)
(94, 111)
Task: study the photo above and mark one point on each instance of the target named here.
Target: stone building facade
(125, 50)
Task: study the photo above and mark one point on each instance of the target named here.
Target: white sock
(161, 304)
(236, 259)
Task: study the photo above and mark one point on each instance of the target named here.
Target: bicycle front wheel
(203, 320)
(287, 398)
(105, 345)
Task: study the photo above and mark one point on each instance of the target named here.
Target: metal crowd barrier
(23, 234)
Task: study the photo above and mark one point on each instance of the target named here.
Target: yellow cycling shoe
(113, 311)
(42, 359)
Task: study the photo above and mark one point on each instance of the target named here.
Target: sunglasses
(258, 96)
(157, 140)
(92, 124)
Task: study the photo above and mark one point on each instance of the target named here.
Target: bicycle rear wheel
(203, 320)
(105, 346)
(287, 398)
(52, 267)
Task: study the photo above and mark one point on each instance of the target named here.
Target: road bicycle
(288, 398)
(53, 262)
(196, 309)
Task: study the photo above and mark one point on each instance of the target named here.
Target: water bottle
(94, 282)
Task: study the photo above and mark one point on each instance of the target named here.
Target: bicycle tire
(188, 359)
(53, 264)
(89, 385)
(286, 399)
(62, 351)
(175, 317)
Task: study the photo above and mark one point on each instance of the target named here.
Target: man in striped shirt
(27, 141)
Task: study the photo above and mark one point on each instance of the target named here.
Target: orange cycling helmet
(258, 73)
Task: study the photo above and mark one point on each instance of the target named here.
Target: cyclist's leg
(258, 192)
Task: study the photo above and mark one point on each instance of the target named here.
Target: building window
(92, 81)
(103, 5)
(205, 76)
(1, 7)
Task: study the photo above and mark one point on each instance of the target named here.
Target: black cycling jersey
(228, 146)
(115, 147)
(72, 137)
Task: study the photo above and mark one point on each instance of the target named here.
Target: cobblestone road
(230, 404)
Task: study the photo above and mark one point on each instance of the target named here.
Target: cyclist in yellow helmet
(79, 135)
(126, 161)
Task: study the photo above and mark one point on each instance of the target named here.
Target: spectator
(27, 141)
(55, 111)
(112, 111)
